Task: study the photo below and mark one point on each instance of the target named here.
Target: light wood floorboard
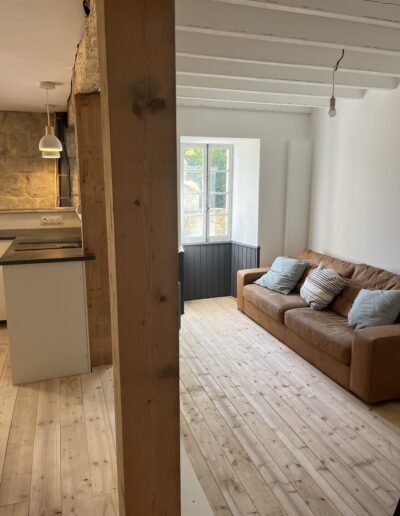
(260, 419)
(266, 432)
(57, 453)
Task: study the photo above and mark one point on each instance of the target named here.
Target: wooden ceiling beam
(245, 84)
(376, 12)
(265, 72)
(241, 106)
(282, 54)
(216, 17)
(255, 98)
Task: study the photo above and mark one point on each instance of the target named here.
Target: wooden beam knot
(146, 98)
(153, 106)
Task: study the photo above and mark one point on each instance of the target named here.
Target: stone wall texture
(27, 181)
(70, 142)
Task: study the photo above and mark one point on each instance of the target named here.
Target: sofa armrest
(375, 363)
(245, 277)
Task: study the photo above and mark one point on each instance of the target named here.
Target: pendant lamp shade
(50, 154)
(50, 142)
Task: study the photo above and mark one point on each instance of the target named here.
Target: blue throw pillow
(374, 308)
(284, 275)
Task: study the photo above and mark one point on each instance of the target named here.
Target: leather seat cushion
(325, 329)
(272, 303)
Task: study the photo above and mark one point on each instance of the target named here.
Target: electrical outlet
(55, 220)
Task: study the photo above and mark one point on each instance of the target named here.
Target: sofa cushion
(326, 330)
(321, 286)
(345, 269)
(371, 278)
(271, 303)
(284, 275)
(374, 308)
(344, 301)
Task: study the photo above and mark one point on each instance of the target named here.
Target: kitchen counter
(45, 302)
(20, 252)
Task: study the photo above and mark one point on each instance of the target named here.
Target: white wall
(245, 196)
(276, 132)
(355, 209)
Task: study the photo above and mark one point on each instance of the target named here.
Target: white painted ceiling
(279, 54)
(237, 54)
(38, 40)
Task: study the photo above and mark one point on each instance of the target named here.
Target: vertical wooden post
(94, 230)
(137, 80)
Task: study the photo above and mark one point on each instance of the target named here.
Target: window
(206, 192)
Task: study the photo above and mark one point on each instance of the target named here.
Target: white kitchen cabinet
(46, 320)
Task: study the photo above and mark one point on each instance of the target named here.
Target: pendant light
(332, 100)
(50, 145)
(51, 155)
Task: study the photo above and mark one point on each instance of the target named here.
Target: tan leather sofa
(366, 362)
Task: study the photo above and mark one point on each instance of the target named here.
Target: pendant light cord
(47, 107)
(335, 69)
(339, 60)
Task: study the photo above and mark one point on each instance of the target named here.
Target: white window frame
(206, 238)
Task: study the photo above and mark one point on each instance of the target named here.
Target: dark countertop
(21, 237)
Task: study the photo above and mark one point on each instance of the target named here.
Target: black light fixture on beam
(332, 101)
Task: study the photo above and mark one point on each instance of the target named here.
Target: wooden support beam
(245, 50)
(270, 73)
(216, 17)
(137, 79)
(94, 231)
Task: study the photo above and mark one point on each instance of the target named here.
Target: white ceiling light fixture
(51, 155)
(49, 142)
(332, 101)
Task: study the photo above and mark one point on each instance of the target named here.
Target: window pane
(193, 202)
(193, 158)
(193, 182)
(218, 182)
(218, 225)
(218, 201)
(193, 225)
(219, 159)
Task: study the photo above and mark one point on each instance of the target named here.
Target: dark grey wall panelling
(209, 270)
(243, 257)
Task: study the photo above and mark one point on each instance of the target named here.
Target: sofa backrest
(360, 275)
(373, 278)
(345, 269)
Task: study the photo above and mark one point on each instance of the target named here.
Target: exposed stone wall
(26, 179)
(73, 163)
(86, 78)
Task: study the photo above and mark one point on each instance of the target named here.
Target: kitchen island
(45, 298)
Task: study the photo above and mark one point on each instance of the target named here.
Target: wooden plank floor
(57, 448)
(265, 431)
(268, 433)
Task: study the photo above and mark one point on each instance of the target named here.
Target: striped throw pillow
(321, 286)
